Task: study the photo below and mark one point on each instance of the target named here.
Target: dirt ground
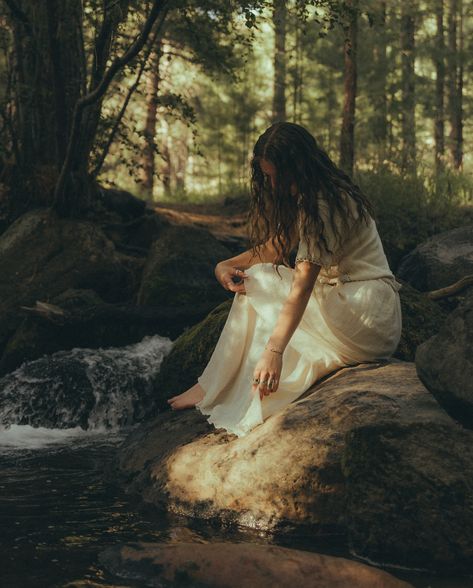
(222, 219)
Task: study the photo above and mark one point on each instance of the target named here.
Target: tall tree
(347, 136)
(49, 76)
(455, 81)
(279, 93)
(379, 82)
(408, 27)
(149, 151)
(57, 108)
(439, 57)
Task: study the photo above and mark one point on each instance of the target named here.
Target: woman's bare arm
(305, 275)
(245, 260)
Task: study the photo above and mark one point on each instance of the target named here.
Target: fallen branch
(45, 310)
(452, 289)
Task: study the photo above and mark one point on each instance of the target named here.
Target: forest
(127, 135)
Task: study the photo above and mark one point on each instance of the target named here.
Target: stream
(58, 510)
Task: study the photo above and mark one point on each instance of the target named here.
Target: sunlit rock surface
(445, 363)
(440, 261)
(239, 565)
(368, 454)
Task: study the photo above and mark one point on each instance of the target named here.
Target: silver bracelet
(275, 350)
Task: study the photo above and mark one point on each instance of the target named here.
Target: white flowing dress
(353, 316)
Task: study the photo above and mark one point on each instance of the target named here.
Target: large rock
(440, 261)
(295, 470)
(246, 565)
(445, 363)
(137, 235)
(180, 269)
(409, 491)
(42, 255)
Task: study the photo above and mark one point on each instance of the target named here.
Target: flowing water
(58, 510)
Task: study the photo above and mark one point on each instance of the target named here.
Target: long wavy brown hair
(299, 160)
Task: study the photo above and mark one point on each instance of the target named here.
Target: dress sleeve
(312, 247)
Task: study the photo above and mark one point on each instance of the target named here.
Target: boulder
(136, 236)
(42, 255)
(122, 202)
(180, 270)
(246, 565)
(445, 363)
(440, 261)
(296, 469)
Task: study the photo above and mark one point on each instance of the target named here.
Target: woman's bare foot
(187, 399)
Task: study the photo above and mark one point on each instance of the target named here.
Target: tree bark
(408, 161)
(153, 81)
(439, 49)
(48, 77)
(455, 81)
(74, 178)
(347, 137)
(55, 115)
(279, 93)
(379, 86)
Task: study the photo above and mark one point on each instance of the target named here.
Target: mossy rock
(421, 319)
(36, 337)
(42, 255)
(190, 354)
(180, 268)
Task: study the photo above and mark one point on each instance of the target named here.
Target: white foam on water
(27, 437)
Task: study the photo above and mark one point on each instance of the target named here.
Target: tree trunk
(408, 161)
(455, 81)
(439, 49)
(279, 94)
(379, 86)
(49, 76)
(167, 163)
(347, 137)
(298, 77)
(150, 125)
(181, 158)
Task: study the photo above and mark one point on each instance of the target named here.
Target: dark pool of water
(58, 511)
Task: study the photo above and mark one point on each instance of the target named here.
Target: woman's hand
(224, 273)
(267, 369)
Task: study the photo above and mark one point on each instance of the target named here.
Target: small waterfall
(105, 388)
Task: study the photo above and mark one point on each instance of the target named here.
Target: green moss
(190, 354)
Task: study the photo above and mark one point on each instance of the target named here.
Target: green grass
(411, 209)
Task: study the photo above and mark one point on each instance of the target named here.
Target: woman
(289, 327)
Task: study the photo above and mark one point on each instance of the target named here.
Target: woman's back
(356, 255)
